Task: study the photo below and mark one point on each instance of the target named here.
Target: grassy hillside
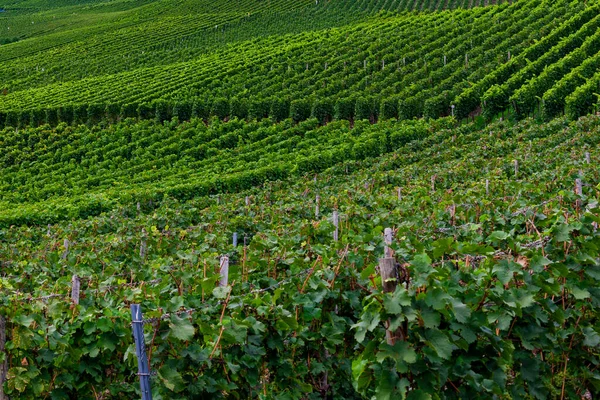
(145, 145)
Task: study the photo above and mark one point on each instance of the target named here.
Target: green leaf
(579, 293)
(368, 321)
(386, 387)
(498, 235)
(393, 303)
(461, 311)
(440, 343)
(181, 328)
(503, 274)
(592, 339)
(437, 298)
(171, 379)
(361, 375)
(431, 318)
(538, 263)
(24, 320)
(562, 232)
(422, 264)
(442, 246)
(400, 352)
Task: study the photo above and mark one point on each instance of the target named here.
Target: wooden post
(4, 365)
(247, 201)
(516, 167)
(224, 271)
(578, 187)
(75, 285)
(388, 237)
(433, 183)
(487, 187)
(143, 244)
(66, 252)
(509, 55)
(399, 193)
(587, 157)
(137, 325)
(139, 208)
(336, 223)
(389, 280)
(317, 200)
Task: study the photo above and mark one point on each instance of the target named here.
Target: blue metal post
(140, 351)
(235, 240)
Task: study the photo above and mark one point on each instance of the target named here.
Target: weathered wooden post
(317, 200)
(137, 324)
(143, 244)
(336, 223)
(587, 157)
(388, 236)
(578, 187)
(516, 162)
(75, 285)
(389, 279)
(399, 193)
(66, 252)
(224, 271)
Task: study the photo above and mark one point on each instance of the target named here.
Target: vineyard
(289, 199)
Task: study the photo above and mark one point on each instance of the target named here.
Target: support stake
(224, 271)
(140, 351)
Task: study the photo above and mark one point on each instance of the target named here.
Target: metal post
(3, 364)
(140, 350)
(224, 271)
(235, 239)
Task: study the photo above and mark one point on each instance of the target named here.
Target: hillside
(376, 199)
